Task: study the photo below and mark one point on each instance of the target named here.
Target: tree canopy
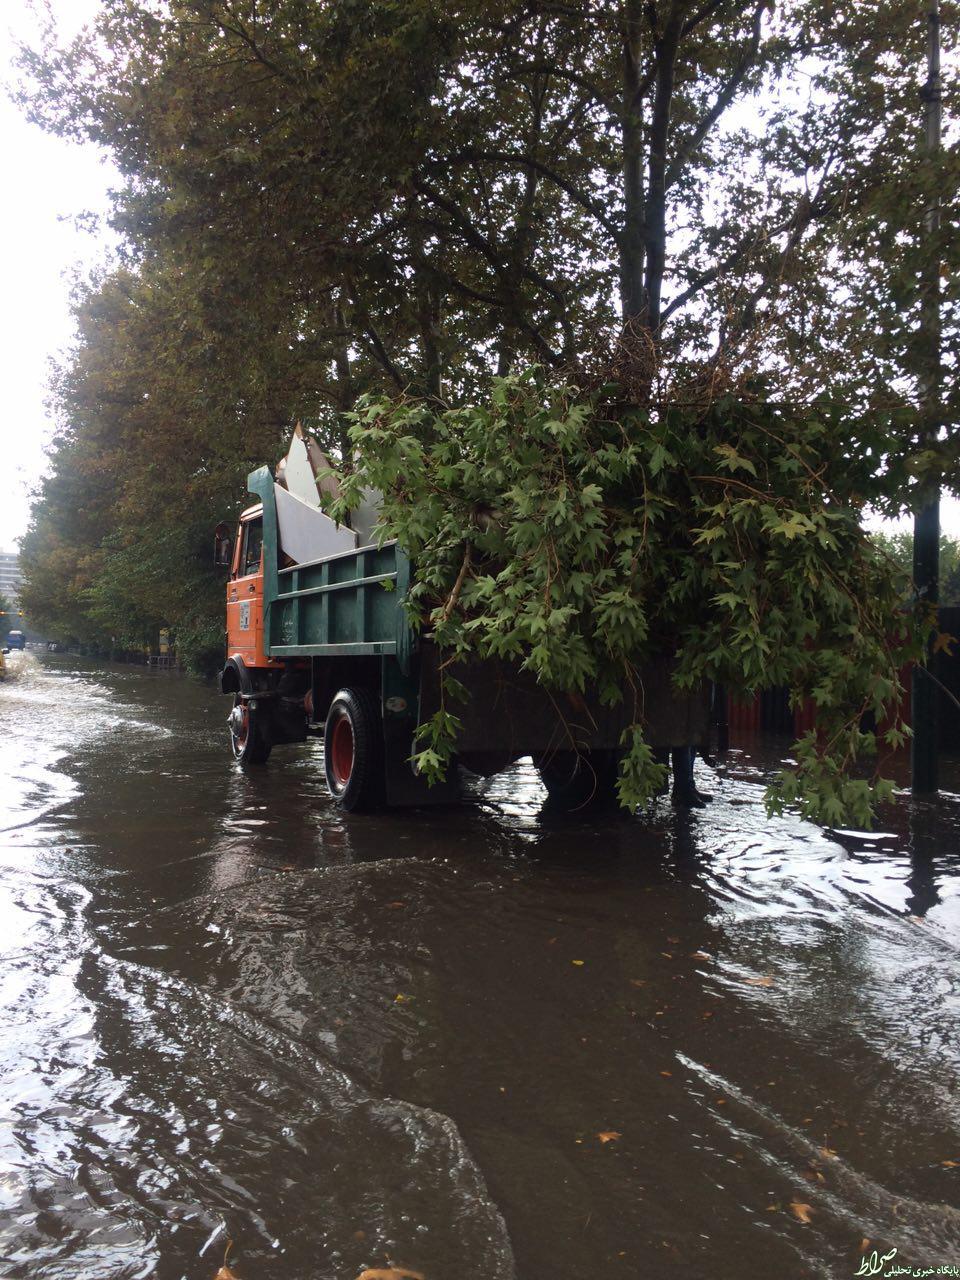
(442, 189)
(702, 202)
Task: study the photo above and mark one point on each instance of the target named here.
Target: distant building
(10, 575)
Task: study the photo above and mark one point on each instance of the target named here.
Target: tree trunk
(632, 300)
(665, 55)
(345, 390)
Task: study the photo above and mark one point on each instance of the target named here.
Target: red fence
(770, 710)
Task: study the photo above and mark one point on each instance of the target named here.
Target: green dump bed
(346, 604)
(341, 605)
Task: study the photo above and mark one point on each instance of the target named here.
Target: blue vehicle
(16, 640)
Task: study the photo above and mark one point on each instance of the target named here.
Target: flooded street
(476, 1043)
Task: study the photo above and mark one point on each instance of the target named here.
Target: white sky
(50, 182)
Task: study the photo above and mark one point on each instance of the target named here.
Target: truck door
(245, 594)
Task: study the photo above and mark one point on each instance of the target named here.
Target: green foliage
(198, 640)
(416, 194)
(899, 547)
(582, 537)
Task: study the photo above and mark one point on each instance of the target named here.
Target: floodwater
(475, 1043)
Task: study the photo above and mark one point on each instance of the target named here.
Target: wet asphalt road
(477, 1043)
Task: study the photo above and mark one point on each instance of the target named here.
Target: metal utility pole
(926, 528)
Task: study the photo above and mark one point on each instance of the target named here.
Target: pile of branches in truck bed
(581, 536)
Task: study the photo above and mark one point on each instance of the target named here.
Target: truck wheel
(353, 750)
(579, 780)
(247, 740)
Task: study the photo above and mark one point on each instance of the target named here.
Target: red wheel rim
(341, 751)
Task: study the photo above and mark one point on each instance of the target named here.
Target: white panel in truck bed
(297, 472)
(306, 533)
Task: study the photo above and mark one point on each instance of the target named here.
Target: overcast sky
(49, 183)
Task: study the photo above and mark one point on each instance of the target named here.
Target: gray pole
(926, 528)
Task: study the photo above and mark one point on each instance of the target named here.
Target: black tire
(248, 741)
(353, 755)
(579, 780)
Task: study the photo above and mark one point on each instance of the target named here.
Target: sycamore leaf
(609, 1135)
(732, 460)
(802, 1212)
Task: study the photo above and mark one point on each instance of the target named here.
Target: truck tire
(579, 780)
(353, 756)
(247, 739)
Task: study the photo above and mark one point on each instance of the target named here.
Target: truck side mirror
(222, 546)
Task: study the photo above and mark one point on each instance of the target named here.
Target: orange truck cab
(245, 636)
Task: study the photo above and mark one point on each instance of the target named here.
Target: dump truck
(319, 644)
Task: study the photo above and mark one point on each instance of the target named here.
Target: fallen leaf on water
(225, 1273)
(609, 1135)
(395, 906)
(400, 998)
(828, 1152)
(390, 1273)
(638, 982)
(864, 1245)
(667, 955)
(699, 955)
(578, 961)
(766, 981)
(950, 1164)
(666, 1073)
(802, 1212)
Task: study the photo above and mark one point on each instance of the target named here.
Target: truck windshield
(252, 542)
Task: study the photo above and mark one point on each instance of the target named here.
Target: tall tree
(457, 185)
